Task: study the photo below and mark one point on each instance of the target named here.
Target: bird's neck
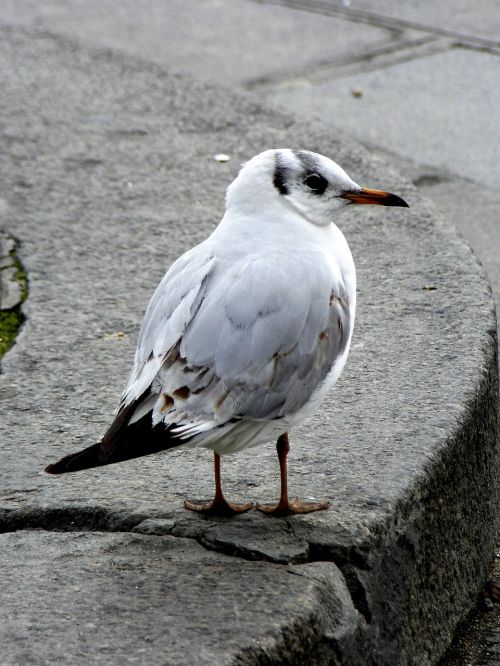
(272, 224)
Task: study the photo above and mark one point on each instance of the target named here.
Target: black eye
(316, 183)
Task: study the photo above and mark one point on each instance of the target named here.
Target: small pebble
(221, 157)
(357, 92)
(488, 603)
(114, 336)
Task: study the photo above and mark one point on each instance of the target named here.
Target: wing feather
(171, 308)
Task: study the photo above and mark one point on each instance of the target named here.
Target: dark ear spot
(315, 182)
(280, 173)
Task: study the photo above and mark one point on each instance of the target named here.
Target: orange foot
(218, 507)
(291, 507)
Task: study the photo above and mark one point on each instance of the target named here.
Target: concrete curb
(108, 175)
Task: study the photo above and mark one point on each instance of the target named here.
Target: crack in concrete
(103, 520)
(71, 519)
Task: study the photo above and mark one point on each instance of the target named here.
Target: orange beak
(376, 197)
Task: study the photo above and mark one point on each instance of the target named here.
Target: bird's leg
(286, 507)
(219, 506)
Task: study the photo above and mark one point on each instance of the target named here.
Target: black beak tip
(394, 200)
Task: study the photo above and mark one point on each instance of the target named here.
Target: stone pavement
(107, 175)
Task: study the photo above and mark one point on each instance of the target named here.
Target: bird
(248, 331)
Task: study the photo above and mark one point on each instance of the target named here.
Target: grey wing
(169, 312)
(292, 335)
(257, 344)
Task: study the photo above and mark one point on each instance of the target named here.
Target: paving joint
(327, 8)
(370, 60)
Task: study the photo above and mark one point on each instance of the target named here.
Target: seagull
(248, 331)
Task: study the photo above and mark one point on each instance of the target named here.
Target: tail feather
(121, 442)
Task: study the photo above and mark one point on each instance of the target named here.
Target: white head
(315, 186)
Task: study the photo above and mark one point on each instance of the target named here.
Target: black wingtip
(89, 457)
(59, 467)
(120, 443)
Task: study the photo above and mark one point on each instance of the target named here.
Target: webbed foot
(291, 507)
(218, 507)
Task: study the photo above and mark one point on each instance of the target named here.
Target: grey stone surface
(110, 177)
(478, 640)
(158, 526)
(130, 599)
(475, 211)
(472, 207)
(223, 41)
(419, 89)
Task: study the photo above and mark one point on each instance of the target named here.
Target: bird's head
(315, 186)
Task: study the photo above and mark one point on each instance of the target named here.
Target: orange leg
(219, 506)
(286, 507)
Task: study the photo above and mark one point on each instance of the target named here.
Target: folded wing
(250, 339)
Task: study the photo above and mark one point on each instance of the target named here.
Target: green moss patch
(11, 319)
(9, 325)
